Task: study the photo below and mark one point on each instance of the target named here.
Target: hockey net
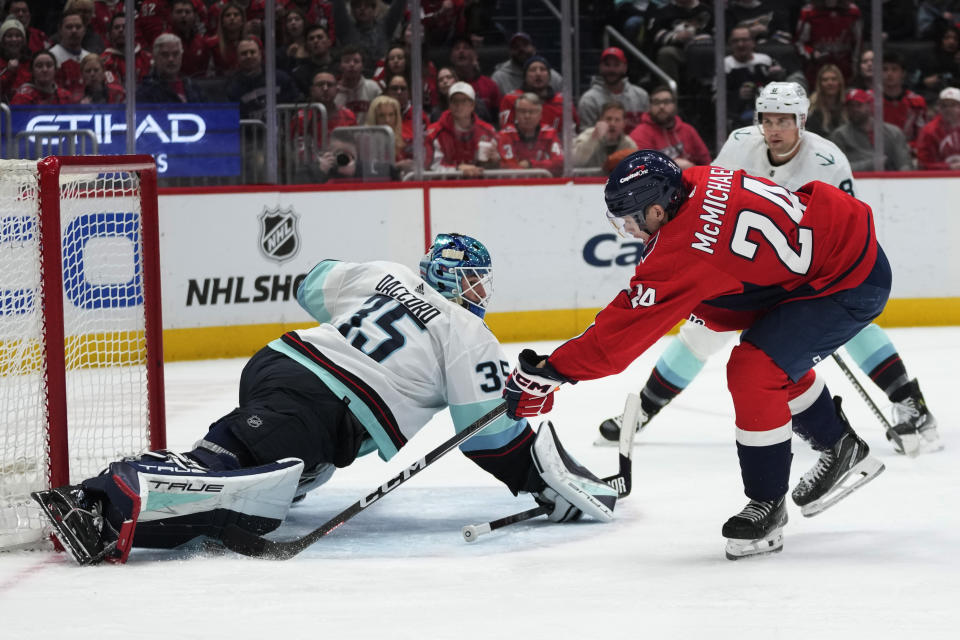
(81, 366)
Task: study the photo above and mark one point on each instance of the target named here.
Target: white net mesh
(104, 334)
(23, 438)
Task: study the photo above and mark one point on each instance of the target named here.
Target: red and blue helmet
(643, 178)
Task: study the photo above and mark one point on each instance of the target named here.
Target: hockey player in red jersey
(799, 272)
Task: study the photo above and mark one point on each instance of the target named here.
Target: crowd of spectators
(353, 57)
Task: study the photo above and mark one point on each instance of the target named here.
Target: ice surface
(881, 564)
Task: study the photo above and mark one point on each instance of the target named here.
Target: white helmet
(783, 97)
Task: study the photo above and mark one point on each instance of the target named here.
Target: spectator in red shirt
(459, 140)
(184, 22)
(69, 52)
(938, 145)
(114, 60)
(442, 20)
(394, 64)
(97, 89)
(14, 58)
(152, 19)
(661, 129)
(37, 40)
(528, 144)
(901, 107)
(829, 31)
(223, 45)
(463, 57)
(536, 79)
(103, 10)
(324, 89)
(43, 89)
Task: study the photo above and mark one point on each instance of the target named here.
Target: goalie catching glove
(571, 490)
(529, 389)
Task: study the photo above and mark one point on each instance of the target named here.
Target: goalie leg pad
(163, 499)
(570, 481)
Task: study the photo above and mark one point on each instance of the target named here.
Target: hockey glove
(529, 389)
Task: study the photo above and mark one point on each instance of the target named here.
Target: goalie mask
(459, 268)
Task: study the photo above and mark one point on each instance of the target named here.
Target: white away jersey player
(398, 352)
(818, 159)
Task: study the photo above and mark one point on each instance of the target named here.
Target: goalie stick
(248, 543)
(893, 435)
(622, 481)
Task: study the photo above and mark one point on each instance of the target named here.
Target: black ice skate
(610, 428)
(914, 423)
(757, 529)
(77, 524)
(841, 470)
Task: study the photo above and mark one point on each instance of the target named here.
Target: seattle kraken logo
(279, 234)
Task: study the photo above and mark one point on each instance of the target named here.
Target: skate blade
(738, 549)
(862, 473)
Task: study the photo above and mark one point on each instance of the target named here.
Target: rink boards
(231, 259)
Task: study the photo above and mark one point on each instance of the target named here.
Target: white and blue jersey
(398, 352)
(817, 159)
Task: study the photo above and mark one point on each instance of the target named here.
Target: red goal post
(81, 352)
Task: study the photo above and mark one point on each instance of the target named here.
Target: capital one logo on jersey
(279, 234)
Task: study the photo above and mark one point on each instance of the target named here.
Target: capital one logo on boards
(279, 234)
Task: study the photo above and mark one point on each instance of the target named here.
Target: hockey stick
(250, 544)
(893, 435)
(472, 531)
(623, 481)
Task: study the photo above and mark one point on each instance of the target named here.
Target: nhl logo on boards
(279, 234)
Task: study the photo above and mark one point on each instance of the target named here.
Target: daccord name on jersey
(418, 307)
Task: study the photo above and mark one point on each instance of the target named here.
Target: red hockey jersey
(738, 246)
(543, 152)
(552, 115)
